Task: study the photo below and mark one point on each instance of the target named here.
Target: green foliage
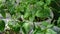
(48, 31)
(27, 10)
(14, 25)
(58, 22)
(44, 28)
(2, 25)
(43, 13)
(2, 10)
(48, 1)
(27, 27)
(3, 13)
(39, 9)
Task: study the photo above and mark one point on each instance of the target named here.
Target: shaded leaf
(2, 25)
(3, 13)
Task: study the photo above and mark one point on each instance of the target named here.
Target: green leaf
(27, 13)
(0, 0)
(40, 3)
(12, 10)
(2, 25)
(38, 32)
(31, 18)
(48, 2)
(50, 31)
(43, 13)
(27, 27)
(3, 13)
(45, 23)
(14, 25)
(58, 22)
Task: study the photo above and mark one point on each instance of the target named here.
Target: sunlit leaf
(50, 31)
(48, 2)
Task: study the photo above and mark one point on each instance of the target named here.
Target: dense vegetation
(30, 16)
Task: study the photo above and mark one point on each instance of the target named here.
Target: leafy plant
(38, 9)
(2, 9)
(44, 28)
(27, 10)
(27, 27)
(14, 25)
(2, 25)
